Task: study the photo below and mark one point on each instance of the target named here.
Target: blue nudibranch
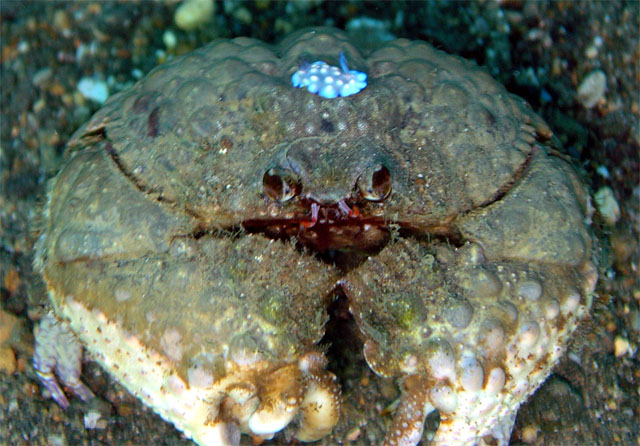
(329, 81)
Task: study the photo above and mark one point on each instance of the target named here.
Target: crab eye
(375, 184)
(279, 187)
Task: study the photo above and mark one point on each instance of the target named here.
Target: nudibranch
(329, 81)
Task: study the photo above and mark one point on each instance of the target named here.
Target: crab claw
(280, 397)
(273, 400)
(305, 389)
(320, 408)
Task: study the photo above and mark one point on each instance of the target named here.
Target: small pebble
(93, 89)
(124, 410)
(39, 105)
(161, 56)
(592, 89)
(62, 22)
(607, 205)
(530, 434)
(7, 323)
(621, 346)
(12, 280)
(137, 73)
(57, 89)
(42, 76)
(56, 440)
(283, 26)
(21, 365)
(192, 14)
(13, 405)
(93, 420)
(23, 47)
(31, 389)
(353, 434)
(243, 15)
(591, 52)
(7, 360)
(603, 172)
(169, 39)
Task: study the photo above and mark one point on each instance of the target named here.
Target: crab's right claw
(320, 408)
(304, 391)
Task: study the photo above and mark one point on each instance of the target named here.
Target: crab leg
(50, 382)
(315, 207)
(57, 348)
(344, 207)
(315, 210)
(408, 422)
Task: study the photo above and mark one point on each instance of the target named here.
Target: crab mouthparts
(324, 228)
(329, 214)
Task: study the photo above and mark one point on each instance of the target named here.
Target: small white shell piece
(329, 81)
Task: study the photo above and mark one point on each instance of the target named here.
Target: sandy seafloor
(539, 50)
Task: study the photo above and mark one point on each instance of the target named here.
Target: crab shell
(471, 302)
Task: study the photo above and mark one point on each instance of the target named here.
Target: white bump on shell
(496, 380)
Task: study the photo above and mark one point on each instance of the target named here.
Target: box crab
(207, 216)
